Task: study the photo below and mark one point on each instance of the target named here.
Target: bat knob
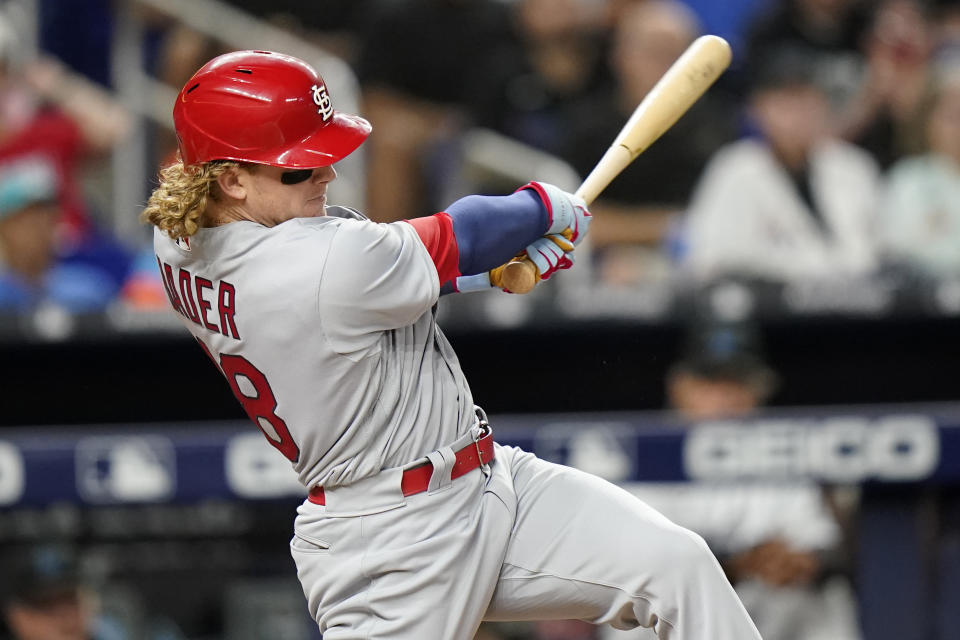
(520, 276)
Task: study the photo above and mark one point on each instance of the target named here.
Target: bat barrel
(684, 82)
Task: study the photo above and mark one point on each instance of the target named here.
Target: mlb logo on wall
(12, 476)
(125, 469)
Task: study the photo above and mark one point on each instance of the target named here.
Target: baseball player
(417, 525)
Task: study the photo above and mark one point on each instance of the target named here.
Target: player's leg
(584, 548)
(424, 570)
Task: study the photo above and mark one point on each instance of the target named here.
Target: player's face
(275, 194)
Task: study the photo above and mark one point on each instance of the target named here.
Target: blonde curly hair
(177, 205)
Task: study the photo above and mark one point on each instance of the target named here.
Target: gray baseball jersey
(333, 351)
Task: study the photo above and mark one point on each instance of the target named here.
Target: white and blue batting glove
(550, 254)
(567, 211)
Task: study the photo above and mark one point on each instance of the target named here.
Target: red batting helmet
(263, 107)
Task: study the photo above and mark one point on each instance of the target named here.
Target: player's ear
(231, 184)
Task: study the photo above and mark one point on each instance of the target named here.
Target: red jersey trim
(436, 233)
(540, 191)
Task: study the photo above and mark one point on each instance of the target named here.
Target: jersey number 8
(260, 407)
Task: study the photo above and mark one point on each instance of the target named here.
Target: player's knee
(672, 577)
(689, 557)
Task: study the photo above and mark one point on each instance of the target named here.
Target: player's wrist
(479, 282)
(566, 212)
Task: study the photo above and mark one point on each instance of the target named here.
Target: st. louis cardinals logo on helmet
(322, 99)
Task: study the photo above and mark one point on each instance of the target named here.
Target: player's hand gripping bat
(683, 83)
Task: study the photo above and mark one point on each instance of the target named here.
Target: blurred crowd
(829, 151)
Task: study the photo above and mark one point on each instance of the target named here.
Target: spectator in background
(632, 216)
(47, 111)
(721, 374)
(81, 38)
(530, 83)
(920, 212)
(946, 27)
(881, 116)
(44, 598)
(829, 31)
(333, 25)
(418, 64)
(780, 543)
(33, 270)
(791, 204)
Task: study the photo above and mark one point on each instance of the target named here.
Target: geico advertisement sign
(843, 449)
(11, 474)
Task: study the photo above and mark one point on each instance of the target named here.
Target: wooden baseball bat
(683, 83)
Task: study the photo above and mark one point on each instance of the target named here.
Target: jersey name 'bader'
(180, 291)
(417, 525)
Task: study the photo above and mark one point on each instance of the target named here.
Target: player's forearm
(477, 233)
(492, 229)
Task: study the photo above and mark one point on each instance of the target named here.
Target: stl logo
(322, 99)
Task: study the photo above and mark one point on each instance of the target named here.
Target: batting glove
(567, 211)
(550, 254)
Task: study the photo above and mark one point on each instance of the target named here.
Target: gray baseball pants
(521, 539)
